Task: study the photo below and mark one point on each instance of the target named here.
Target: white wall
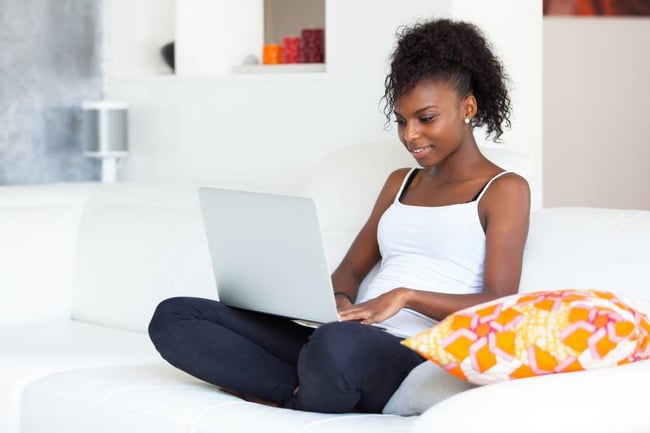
(265, 132)
(596, 92)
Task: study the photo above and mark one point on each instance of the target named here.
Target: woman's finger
(355, 314)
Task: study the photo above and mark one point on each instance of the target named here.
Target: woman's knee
(175, 313)
(166, 313)
(334, 346)
(161, 315)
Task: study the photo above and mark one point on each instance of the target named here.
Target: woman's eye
(400, 122)
(427, 119)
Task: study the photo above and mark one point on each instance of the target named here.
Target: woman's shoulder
(507, 186)
(509, 180)
(394, 181)
(399, 174)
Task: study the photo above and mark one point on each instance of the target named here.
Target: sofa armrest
(612, 400)
(38, 228)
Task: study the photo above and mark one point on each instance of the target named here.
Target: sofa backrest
(38, 238)
(139, 244)
(589, 248)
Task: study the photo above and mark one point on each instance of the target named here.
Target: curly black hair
(457, 53)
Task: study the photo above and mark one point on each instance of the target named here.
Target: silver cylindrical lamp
(106, 130)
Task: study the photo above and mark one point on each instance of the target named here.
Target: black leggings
(340, 367)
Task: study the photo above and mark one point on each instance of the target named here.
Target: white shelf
(286, 68)
(173, 79)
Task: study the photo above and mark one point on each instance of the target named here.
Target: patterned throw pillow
(535, 334)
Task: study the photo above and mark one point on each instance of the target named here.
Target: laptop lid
(267, 253)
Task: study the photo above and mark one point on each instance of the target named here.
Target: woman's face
(430, 121)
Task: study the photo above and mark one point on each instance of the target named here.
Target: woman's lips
(421, 152)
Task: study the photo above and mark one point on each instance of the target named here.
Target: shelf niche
(287, 18)
(284, 18)
(210, 37)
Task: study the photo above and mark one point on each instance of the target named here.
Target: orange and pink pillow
(535, 334)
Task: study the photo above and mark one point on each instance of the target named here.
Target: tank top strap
(487, 185)
(407, 180)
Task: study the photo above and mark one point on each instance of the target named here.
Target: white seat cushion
(609, 400)
(33, 351)
(157, 397)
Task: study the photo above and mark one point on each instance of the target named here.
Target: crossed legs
(340, 367)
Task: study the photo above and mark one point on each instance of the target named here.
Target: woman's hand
(378, 309)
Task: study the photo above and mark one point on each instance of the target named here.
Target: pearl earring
(467, 120)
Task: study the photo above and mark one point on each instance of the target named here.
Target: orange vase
(272, 54)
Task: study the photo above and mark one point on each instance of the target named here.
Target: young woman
(448, 235)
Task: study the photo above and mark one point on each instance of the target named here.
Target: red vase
(291, 50)
(312, 49)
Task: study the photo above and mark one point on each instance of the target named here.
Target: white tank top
(432, 248)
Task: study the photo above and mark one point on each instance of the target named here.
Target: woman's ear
(469, 106)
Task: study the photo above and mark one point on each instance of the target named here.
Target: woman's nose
(411, 131)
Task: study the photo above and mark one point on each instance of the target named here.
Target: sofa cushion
(588, 248)
(157, 397)
(33, 351)
(611, 400)
(38, 232)
(536, 334)
(139, 244)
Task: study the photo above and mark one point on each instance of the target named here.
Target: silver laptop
(267, 254)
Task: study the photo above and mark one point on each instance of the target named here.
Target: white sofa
(84, 265)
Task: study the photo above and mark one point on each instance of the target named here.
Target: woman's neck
(465, 163)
